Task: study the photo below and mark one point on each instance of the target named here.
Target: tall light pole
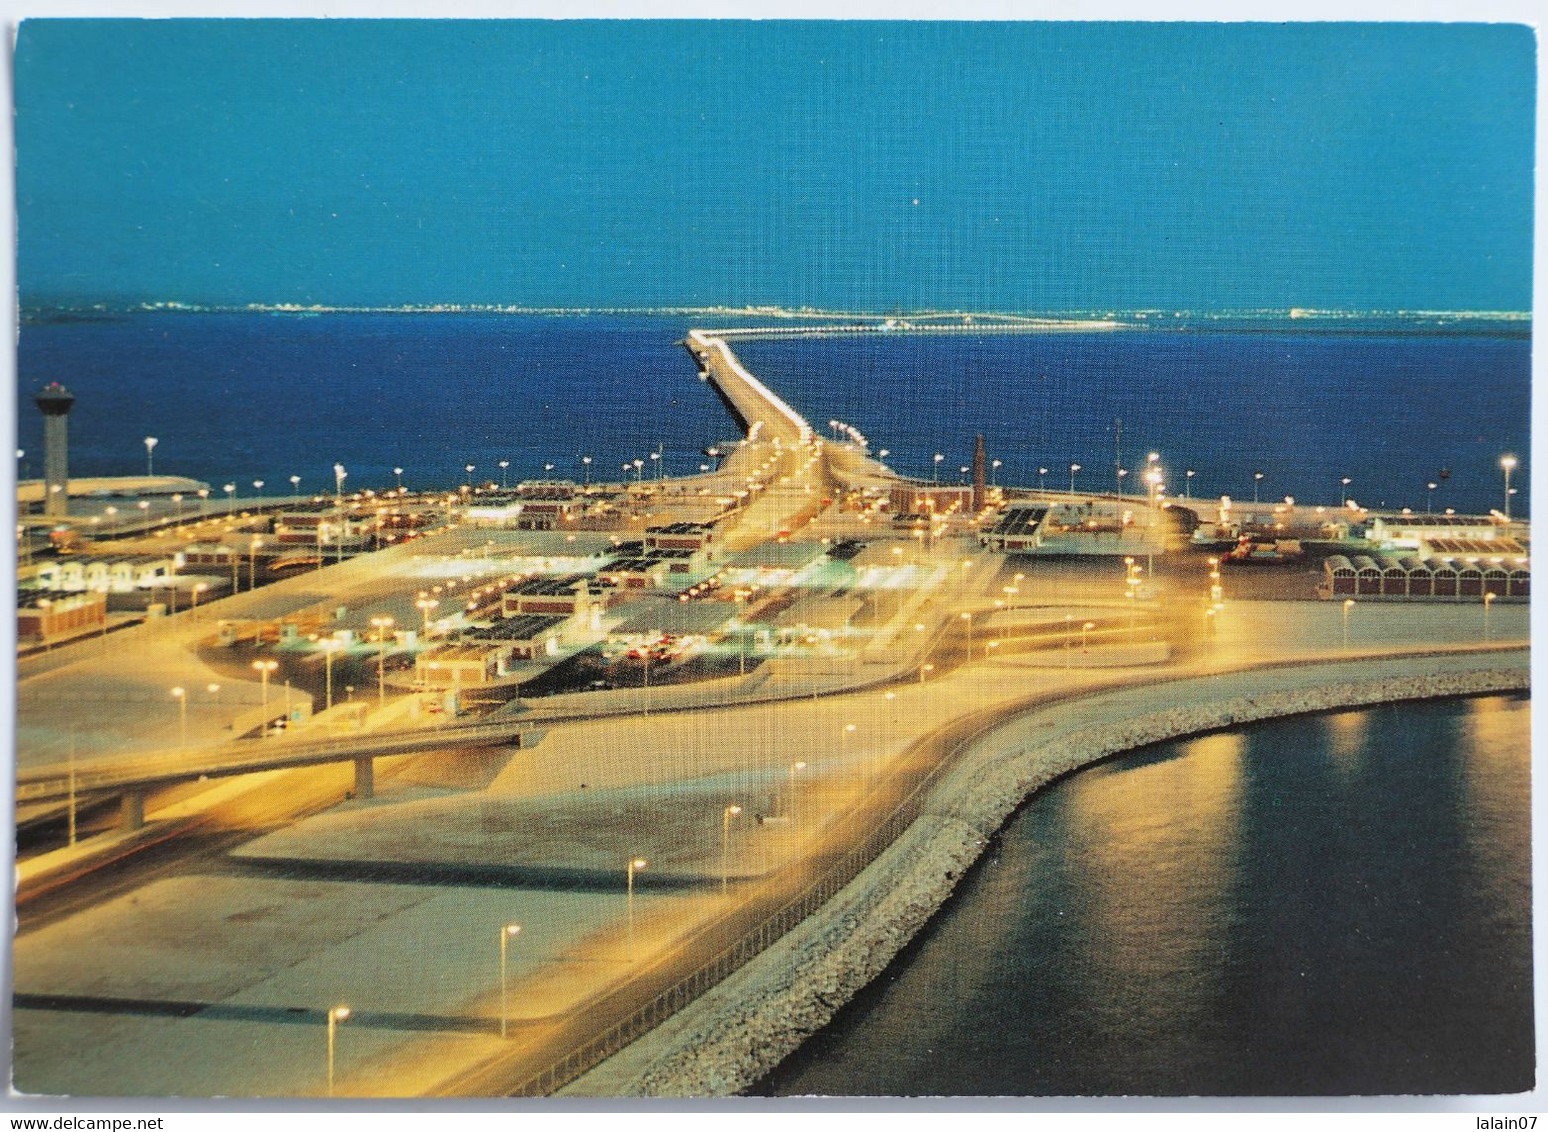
(263, 668)
(181, 695)
(1257, 478)
(967, 624)
(635, 865)
(1073, 469)
(1508, 463)
(935, 474)
(381, 625)
(1429, 498)
(1488, 600)
(252, 563)
(399, 473)
(339, 475)
(329, 645)
(295, 485)
(258, 487)
(1041, 473)
(507, 933)
(794, 767)
(1084, 629)
(336, 1015)
(150, 460)
(230, 490)
(586, 469)
(1348, 605)
(1343, 491)
(1188, 475)
(177, 501)
(725, 845)
(204, 501)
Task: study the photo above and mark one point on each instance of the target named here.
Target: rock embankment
(738, 1031)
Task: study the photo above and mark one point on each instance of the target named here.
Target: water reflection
(1325, 905)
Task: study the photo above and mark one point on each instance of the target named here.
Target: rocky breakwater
(738, 1031)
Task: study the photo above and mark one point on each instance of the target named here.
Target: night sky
(849, 165)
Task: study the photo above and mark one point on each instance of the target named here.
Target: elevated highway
(133, 779)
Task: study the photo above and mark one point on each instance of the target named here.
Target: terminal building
(1385, 577)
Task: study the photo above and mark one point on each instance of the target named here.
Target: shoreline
(742, 1029)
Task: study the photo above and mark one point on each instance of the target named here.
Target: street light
(1487, 602)
(150, 449)
(181, 695)
(177, 501)
(230, 490)
(586, 468)
(335, 1016)
(1508, 463)
(1073, 469)
(1041, 472)
(329, 646)
(198, 589)
(258, 487)
(1348, 605)
(635, 865)
(295, 485)
(935, 474)
(1084, 629)
(967, 619)
(1257, 478)
(252, 563)
(263, 668)
(507, 933)
(1188, 483)
(1343, 493)
(381, 625)
(792, 804)
(725, 845)
(399, 473)
(503, 465)
(339, 475)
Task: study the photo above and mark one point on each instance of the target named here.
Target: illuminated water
(1329, 905)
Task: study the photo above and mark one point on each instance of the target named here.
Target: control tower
(56, 401)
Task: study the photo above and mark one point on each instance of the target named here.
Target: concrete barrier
(739, 1030)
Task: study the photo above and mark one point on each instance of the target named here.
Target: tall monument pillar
(56, 401)
(980, 467)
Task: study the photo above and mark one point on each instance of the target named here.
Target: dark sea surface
(1336, 905)
(243, 396)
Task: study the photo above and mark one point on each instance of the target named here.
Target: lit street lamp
(635, 865)
(263, 668)
(1041, 472)
(150, 449)
(1508, 463)
(230, 490)
(1084, 629)
(794, 767)
(725, 845)
(258, 487)
(1257, 478)
(935, 475)
(1488, 600)
(339, 476)
(381, 625)
(1343, 493)
(1348, 605)
(335, 1016)
(507, 933)
(1188, 483)
(399, 473)
(1073, 469)
(586, 469)
(503, 465)
(329, 646)
(181, 695)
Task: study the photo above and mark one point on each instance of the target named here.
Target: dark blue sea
(238, 397)
(1331, 905)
